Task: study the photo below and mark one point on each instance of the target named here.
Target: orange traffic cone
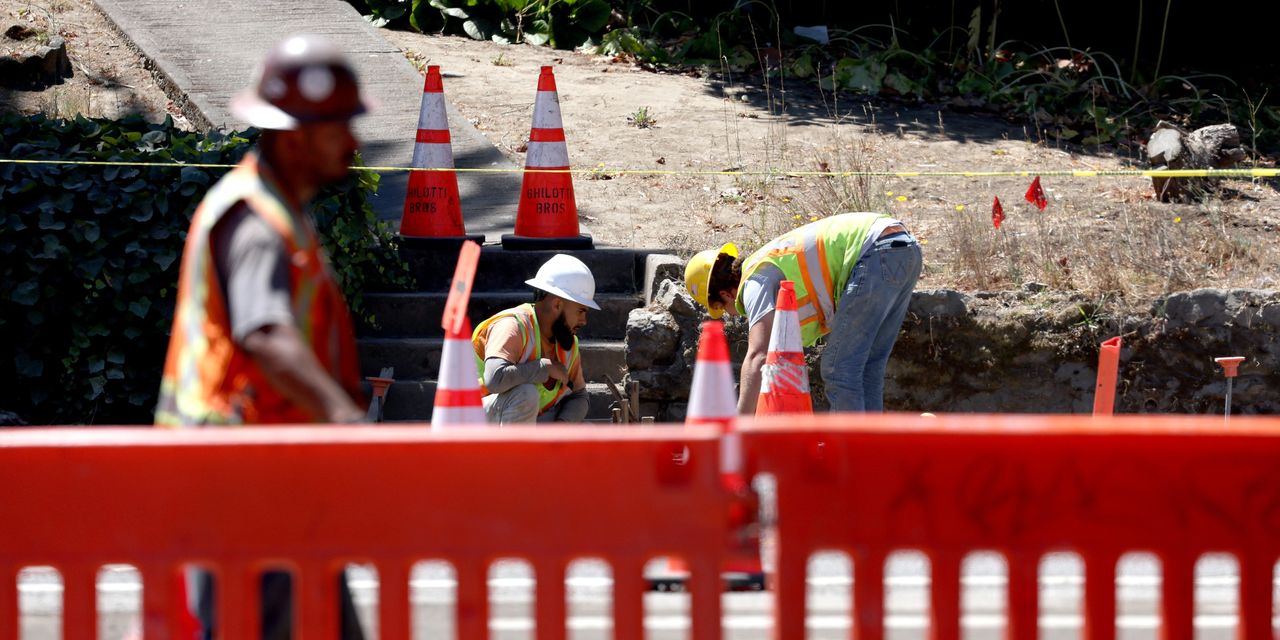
(784, 379)
(458, 384)
(711, 398)
(431, 205)
(548, 216)
(712, 401)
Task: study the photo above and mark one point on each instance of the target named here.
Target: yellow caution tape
(1051, 173)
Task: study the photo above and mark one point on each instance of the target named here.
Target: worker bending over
(532, 370)
(853, 275)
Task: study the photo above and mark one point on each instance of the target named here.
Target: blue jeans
(868, 318)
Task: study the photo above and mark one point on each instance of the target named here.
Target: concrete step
(419, 358)
(412, 400)
(432, 266)
(418, 314)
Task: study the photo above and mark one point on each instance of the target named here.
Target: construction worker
(853, 276)
(529, 357)
(261, 332)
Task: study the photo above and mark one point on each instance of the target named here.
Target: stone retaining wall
(1015, 352)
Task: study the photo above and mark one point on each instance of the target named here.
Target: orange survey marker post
(458, 397)
(1024, 486)
(1230, 368)
(548, 214)
(1104, 394)
(784, 379)
(432, 209)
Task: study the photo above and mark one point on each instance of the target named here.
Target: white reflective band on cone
(432, 115)
(432, 155)
(731, 452)
(546, 111)
(547, 154)
(784, 376)
(711, 394)
(457, 375)
(457, 417)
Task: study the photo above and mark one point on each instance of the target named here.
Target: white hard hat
(567, 277)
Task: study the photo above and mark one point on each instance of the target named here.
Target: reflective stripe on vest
(818, 258)
(531, 351)
(208, 378)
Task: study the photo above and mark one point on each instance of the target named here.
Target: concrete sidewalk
(206, 50)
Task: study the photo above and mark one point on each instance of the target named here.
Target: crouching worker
(853, 275)
(528, 355)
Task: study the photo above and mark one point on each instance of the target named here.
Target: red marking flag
(1035, 194)
(997, 213)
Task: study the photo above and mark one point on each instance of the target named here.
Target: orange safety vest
(209, 379)
(531, 350)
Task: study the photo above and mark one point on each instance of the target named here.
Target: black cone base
(512, 242)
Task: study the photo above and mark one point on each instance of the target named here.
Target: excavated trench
(1023, 352)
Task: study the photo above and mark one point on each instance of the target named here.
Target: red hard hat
(303, 79)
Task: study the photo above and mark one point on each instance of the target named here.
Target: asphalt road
(747, 615)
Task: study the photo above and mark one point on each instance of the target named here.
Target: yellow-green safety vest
(531, 351)
(818, 258)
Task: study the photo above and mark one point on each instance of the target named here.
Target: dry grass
(1140, 250)
(1100, 241)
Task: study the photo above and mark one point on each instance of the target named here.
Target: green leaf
(90, 267)
(193, 175)
(50, 223)
(96, 384)
(478, 29)
(537, 32)
(26, 294)
(140, 307)
(900, 83)
(590, 16)
(802, 67)
(27, 366)
(861, 75)
(165, 259)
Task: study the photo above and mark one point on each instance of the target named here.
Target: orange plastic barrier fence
(1023, 485)
(313, 500)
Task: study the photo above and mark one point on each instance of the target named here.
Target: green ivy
(92, 258)
(563, 24)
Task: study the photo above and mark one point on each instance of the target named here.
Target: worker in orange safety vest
(261, 332)
(528, 355)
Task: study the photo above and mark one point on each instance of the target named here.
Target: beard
(562, 333)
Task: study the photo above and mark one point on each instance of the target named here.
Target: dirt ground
(109, 79)
(657, 142)
(714, 120)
